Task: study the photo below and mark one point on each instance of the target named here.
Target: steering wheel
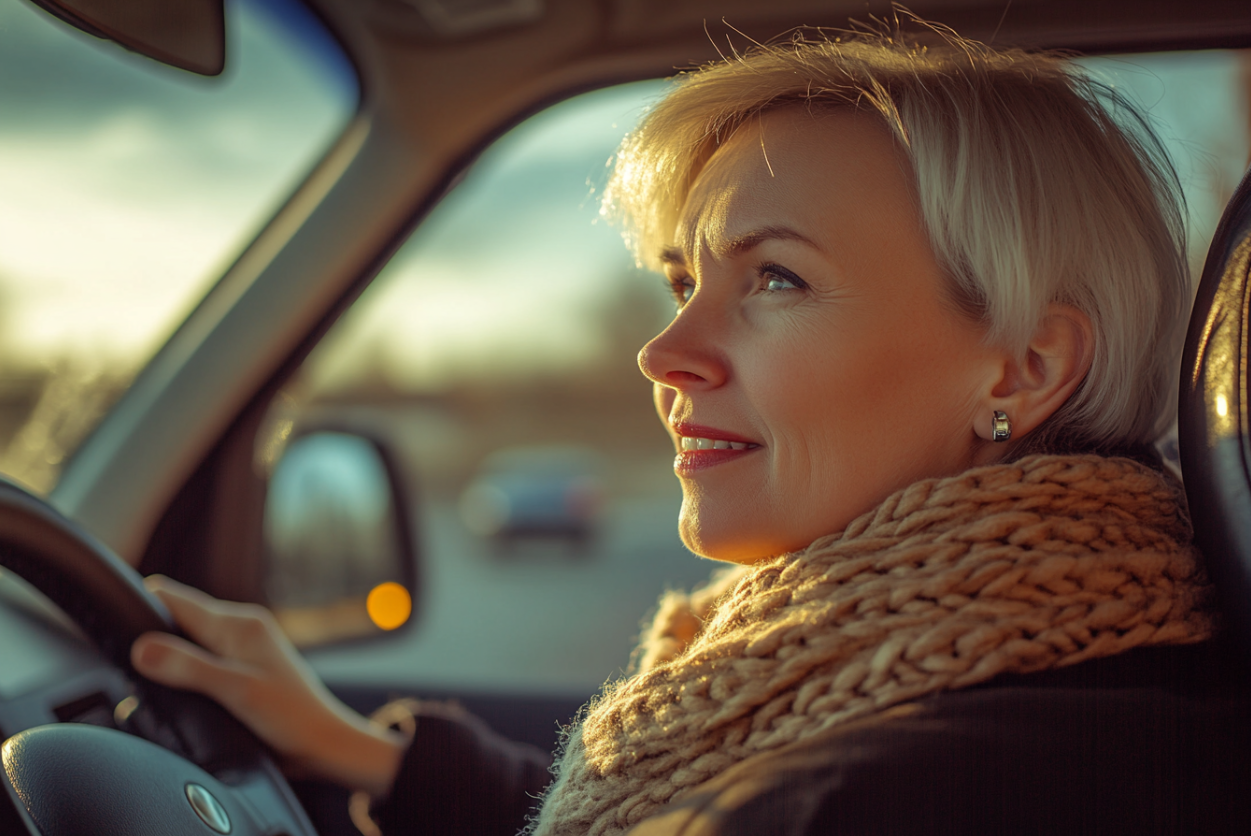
(208, 774)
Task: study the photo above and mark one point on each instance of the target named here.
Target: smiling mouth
(691, 443)
(703, 447)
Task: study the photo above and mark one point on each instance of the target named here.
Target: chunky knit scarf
(1042, 563)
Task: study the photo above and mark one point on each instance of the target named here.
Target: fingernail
(151, 654)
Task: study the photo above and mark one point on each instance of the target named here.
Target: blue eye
(774, 277)
(779, 283)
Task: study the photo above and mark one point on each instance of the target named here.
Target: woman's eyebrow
(750, 240)
(673, 256)
(743, 243)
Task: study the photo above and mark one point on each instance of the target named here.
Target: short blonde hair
(1037, 184)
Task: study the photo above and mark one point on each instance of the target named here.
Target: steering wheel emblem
(208, 808)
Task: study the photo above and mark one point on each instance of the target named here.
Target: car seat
(1214, 413)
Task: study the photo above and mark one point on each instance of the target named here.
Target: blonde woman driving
(929, 301)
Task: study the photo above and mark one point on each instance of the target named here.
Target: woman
(929, 305)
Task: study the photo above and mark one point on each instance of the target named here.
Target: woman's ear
(1029, 390)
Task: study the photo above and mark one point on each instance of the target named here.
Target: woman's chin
(729, 546)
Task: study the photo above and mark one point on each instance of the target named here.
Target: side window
(1199, 103)
(494, 357)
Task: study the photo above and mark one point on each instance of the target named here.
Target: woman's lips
(702, 447)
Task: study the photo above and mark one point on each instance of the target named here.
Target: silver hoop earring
(1001, 427)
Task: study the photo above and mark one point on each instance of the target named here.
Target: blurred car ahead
(548, 492)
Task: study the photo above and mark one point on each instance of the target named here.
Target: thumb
(178, 663)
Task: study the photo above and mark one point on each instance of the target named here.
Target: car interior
(242, 459)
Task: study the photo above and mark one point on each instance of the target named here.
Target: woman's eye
(682, 288)
(779, 278)
(778, 283)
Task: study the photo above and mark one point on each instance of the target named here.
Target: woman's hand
(245, 662)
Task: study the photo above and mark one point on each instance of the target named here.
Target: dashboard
(49, 671)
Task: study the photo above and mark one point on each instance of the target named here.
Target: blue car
(536, 492)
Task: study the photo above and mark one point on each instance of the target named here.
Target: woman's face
(814, 365)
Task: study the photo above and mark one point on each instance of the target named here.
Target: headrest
(1214, 413)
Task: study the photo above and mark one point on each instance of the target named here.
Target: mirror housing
(187, 34)
(340, 557)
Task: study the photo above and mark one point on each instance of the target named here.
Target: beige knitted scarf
(1042, 563)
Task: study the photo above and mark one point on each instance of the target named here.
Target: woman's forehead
(794, 173)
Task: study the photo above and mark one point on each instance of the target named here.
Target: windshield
(126, 189)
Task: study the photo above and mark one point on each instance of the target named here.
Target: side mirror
(340, 558)
(187, 34)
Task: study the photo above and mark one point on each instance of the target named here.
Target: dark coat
(1154, 741)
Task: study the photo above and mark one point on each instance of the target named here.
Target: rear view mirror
(187, 34)
(339, 554)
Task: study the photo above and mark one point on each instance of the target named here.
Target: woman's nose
(683, 357)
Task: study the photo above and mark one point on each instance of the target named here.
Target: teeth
(691, 443)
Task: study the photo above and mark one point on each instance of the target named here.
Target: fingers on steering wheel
(227, 628)
(179, 663)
